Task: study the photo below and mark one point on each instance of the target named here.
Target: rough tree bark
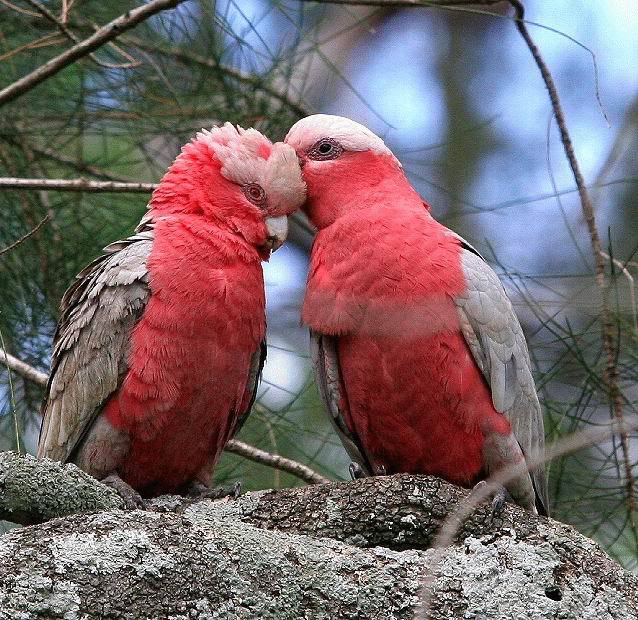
(338, 550)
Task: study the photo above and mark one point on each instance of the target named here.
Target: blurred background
(456, 95)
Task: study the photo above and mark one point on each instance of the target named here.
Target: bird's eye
(255, 193)
(324, 149)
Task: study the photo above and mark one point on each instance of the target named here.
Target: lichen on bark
(339, 550)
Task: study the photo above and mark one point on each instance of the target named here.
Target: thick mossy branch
(313, 552)
(34, 491)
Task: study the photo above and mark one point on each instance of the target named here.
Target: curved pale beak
(277, 228)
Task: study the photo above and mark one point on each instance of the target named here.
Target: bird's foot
(199, 490)
(498, 503)
(356, 472)
(132, 499)
(498, 499)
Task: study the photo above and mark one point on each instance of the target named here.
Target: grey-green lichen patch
(40, 596)
(507, 578)
(109, 553)
(36, 490)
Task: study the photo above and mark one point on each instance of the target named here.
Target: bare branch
(303, 472)
(105, 34)
(295, 468)
(70, 161)
(32, 232)
(23, 369)
(121, 187)
(44, 11)
(611, 375)
(77, 185)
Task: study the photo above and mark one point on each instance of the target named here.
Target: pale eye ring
(325, 149)
(255, 194)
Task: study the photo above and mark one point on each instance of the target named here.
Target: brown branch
(122, 187)
(64, 29)
(70, 161)
(303, 472)
(32, 232)
(76, 185)
(611, 375)
(105, 34)
(295, 468)
(23, 369)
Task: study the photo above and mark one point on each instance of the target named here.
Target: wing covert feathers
(496, 340)
(323, 350)
(90, 346)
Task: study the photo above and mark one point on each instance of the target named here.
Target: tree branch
(23, 369)
(341, 550)
(122, 187)
(105, 34)
(77, 185)
(303, 472)
(79, 166)
(611, 375)
(22, 239)
(252, 453)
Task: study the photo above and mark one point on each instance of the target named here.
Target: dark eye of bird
(324, 149)
(255, 193)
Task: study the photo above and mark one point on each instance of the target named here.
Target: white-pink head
(343, 163)
(237, 178)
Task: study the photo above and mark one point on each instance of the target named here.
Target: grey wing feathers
(90, 348)
(498, 345)
(323, 351)
(256, 366)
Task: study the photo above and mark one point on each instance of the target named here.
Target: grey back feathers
(498, 345)
(91, 342)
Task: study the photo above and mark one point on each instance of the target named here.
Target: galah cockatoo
(161, 341)
(420, 359)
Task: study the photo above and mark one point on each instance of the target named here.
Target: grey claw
(132, 499)
(355, 471)
(498, 503)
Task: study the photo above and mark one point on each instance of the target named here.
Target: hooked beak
(277, 228)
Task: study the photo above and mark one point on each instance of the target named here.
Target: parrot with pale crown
(419, 357)
(161, 341)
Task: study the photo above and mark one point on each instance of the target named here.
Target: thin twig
(81, 167)
(76, 185)
(611, 374)
(44, 11)
(186, 56)
(120, 187)
(632, 287)
(303, 472)
(32, 232)
(107, 33)
(12, 400)
(274, 460)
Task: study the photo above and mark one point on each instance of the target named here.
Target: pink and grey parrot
(161, 341)
(420, 359)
